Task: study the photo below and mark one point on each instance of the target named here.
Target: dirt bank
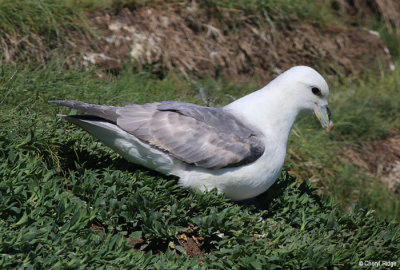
(190, 41)
(380, 159)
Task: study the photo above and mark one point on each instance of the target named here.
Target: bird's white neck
(269, 109)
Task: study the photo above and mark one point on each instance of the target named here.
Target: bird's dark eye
(316, 91)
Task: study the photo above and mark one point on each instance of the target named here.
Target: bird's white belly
(237, 183)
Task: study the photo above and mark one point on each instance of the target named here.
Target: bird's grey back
(215, 117)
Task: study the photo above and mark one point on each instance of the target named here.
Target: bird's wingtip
(66, 103)
(58, 102)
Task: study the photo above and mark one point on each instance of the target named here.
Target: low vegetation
(67, 201)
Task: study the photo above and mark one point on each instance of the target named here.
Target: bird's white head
(307, 90)
(277, 105)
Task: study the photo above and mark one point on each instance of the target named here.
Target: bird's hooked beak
(324, 116)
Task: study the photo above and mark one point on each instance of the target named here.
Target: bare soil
(193, 245)
(386, 10)
(380, 159)
(189, 41)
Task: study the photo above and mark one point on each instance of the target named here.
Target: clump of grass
(391, 39)
(43, 17)
(32, 29)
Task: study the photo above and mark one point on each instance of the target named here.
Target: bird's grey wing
(216, 117)
(206, 137)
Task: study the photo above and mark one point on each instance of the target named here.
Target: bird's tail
(105, 112)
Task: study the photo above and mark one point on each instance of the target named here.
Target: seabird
(239, 149)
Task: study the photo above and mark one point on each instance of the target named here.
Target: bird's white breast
(241, 182)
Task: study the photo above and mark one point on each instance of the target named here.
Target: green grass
(67, 201)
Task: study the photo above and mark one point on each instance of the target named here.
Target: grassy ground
(67, 201)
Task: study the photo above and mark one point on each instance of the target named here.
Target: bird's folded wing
(206, 137)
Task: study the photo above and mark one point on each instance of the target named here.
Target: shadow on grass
(277, 190)
(73, 158)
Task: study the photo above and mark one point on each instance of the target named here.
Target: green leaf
(24, 219)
